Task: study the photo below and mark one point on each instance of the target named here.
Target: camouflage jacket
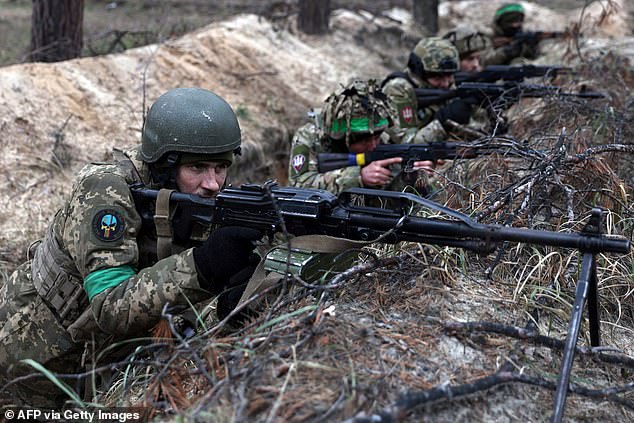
(501, 56)
(302, 170)
(94, 276)
(412, 125)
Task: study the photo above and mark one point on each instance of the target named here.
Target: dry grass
(388, 330)
(396, 325)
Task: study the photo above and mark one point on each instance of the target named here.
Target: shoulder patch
(299, 159)
(108, 225)
(406, 115)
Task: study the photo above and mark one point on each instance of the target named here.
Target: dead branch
(407, 402)
(534, 336)
(605, 148)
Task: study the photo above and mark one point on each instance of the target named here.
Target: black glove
(458, 110)
(229, 298)
(225, 253)
(513, 49)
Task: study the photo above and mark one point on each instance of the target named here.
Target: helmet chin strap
(416, 65)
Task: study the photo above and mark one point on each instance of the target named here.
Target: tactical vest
(57, 280)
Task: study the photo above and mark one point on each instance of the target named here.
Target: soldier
(470, 45)
(352, 120)
(431, 65)
(98, 275)
(504, 49)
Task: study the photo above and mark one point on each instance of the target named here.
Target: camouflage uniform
(505, 54)
(318, 137)
(98, 228)
(307, 143)
(467, 41)
(414, 125)
(96, 277)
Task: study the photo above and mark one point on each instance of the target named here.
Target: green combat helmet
(466, 40)
(190, 122)
(433, 55)
(358, 109)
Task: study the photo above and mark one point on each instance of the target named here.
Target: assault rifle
(528, 37)
(495, 73)
(495, 93)
(303, 211)
(410, 153)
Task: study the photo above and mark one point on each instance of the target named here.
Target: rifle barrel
(413, 227)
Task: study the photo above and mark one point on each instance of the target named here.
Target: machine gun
(303, 211)
(442, 150)
(508, 92)
(495, 73)
(528, 37)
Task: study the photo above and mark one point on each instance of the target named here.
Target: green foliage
(242, 112)
(59, 383)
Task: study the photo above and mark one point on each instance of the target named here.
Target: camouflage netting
(423, 333)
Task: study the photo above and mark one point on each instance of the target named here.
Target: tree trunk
(313, 16)
(56, 30)
(426, 15)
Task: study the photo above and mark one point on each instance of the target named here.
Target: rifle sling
(162, 224)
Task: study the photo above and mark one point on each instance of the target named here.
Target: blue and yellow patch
(108, 225)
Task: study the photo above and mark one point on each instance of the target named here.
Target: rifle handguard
(332, 161)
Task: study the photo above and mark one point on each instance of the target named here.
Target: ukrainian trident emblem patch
(408, 114)
(298, 162)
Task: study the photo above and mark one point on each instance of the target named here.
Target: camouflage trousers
(29, 330)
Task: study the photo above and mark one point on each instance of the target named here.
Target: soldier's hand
(377, 173)
(513, 49)
(458, 110)
(230, 297)
(226, 252)
(426, 166)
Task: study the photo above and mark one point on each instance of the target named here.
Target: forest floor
(399, 325)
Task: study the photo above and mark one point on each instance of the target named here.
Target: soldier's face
(512, 27)
(203, 178)
(440, 81)
(365, 144)
(471, 62)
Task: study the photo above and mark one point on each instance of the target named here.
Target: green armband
(100, 280)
